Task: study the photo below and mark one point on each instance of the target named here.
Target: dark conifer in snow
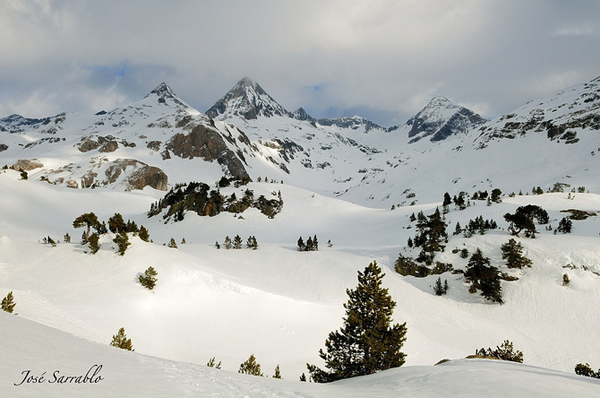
(250, 367)
(367, 342)
(484, 277)
(116, 224)
(143, 234)
(88, 220)
(8, 303)
(148, 280)
(122, 241)
(94, 244)
(121, 341)
(512, 252)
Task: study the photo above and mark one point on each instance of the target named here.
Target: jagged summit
(248, 100)
(164, 94)
(441, 118)
(301, 114)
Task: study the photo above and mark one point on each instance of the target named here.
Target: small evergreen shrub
(505, 352)
(586, 370)
(148, 280)
(212, 363)
(121, 341)
(251, 367)
(439, 288)
(277, 374)
(8, 302)
(122, 241)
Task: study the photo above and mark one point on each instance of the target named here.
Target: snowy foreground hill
(276, 302)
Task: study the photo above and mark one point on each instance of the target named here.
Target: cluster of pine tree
(199, 198)
(564, 226)
(47, 240)
(478, 225)
(431, 237)
(251, 243)
(586, 370)
(116, 225)
(266, 179)
(311, 245)
(505, 352)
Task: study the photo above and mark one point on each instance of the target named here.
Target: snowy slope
(55, 355)
(278, 303)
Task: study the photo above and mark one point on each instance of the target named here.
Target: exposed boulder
(26, 165)
(141, 176)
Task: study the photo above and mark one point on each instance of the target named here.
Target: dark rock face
(208, 144)
(3, 147)
(440, 119)
(351, 122)
(105, 144)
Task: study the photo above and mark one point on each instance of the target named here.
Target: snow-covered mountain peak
(247, 100)
(441, 118)
(561, 117)
(165, 95)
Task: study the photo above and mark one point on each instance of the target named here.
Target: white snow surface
(280, 304)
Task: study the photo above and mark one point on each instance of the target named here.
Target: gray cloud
(385, 59)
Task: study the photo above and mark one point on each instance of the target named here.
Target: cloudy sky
(383, 60)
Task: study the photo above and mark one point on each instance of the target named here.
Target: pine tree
(88, 220)
(120, 340)
(122, 241)
(212, 363)
(148, 280)
(172, 244)
(484, 277)
(565, 225)
(277, 374)
(237, 242)
(116, 224)
(367, 342)
(94, 244)
(250, 367)
(227, 243)
(8, 303)
(309, 245)
(67, 238)
(315, 243)
(440, 288)
(301, 246)
(143, 234)
(512, 252)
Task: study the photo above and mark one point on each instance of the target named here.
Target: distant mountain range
(246, 133)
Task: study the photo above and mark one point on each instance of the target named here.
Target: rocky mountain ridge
(250, 135)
